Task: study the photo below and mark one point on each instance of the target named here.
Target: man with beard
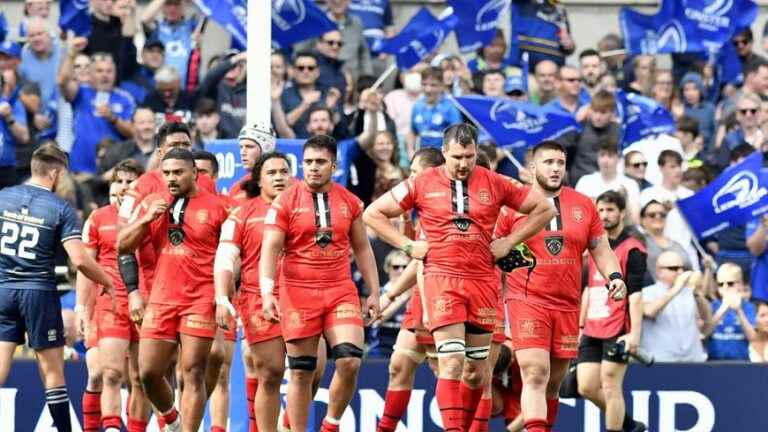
(592, 68)
(543, 302)
(180, 313)
(606, 322)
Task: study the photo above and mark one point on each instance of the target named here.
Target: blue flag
(297, 20)
(229, 14)
(735, 197)
(420, 37)
(641, 117)
(478, 21)
(3, 27)
(516, 125)
(685, 25)
(74, 16)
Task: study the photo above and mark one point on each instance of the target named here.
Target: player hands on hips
(315, 223)
(181, 308)
(458, 205)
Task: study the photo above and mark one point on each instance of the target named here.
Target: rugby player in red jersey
(316, 223)
(458, 205)
(183, 226)
(116, 333)
(254, 140)
(543, 302)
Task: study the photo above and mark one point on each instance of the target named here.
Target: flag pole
(258, 99)
(384, 76)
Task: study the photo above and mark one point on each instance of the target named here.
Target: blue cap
(514, 83)
(154, 42)
(11, 49)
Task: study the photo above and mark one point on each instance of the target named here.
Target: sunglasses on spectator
(337, 43)
(639, 164)
(745, 111)
(306, 68)
(399, 266)
(656, 215)
(739, 42)
(727, 283)
(673, 268)
(571, 79)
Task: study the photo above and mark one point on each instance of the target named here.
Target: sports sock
(395, 404)
(58, 404)
(218, 429)
(111, 423)
(251, 385)
(536, 425)
(91, 411)
(469, 399)
(448, 394)
(482, 416)
(552, 406)
(330, 425)
(137, 425)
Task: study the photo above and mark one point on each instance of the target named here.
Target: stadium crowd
(118, 109)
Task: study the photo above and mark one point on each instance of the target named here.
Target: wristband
(266, 285)
(221, 300)
(615, 275)
(407, 248)
(79, 308)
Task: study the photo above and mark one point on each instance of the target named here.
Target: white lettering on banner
(294, 163)
(227, 165)
(592, 416)
(8, 409)
(742, 190)
(640, 403)
(668, 400)
(434, 413)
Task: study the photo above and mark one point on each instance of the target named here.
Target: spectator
(644, 67)
(65, 135)
(100, 110)
(608, 83)
(608, 178)
(653, 219)
(457, 77)
(543, 30)
(758, 348)
(612, 43)
(545, 75)
(755, 81)
(206, 163)
(33, 9)
(378, 24)
(41, 123)
(688, 134)
(226, 84)
(592, 68)
(140, 78)
(207, 122)
(305, 95)
(695, 178)
(672, 309)
(492, 56)
(668, 192)
(385, 155)
(328, 47)
(13, 117)
(599, 127)
(757, 239)
(663, 91)
(732, 325)
(432, 113)
(570, 97)
(696, 106)
(169, 100)
(383, 332)
(113, 26)
(493, 81)
(139, 148)
(748, 130)
(743, 41)
(40, 58)
(399, 104)
(175, 31)
(635, 164)
(354, 53)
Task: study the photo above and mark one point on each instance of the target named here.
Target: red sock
(91, 411)
(469, 399)
(482, 416)
(448, 393)
(286, 420)
(395, 404)
(251, 385)
(536, 425)
(160, 422)
(136, 425)
(170, 416)
(218, 429)
(111, 422)
(328, 426)
(552, 406)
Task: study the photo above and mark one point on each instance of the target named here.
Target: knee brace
(416, 356)
(346, 349)
(478, 353)
(450, 347)
(306, 363)
(128, 266)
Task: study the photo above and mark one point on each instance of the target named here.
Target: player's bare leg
(51, 364)
(483, 413)
(220, 396)
(317, 378)
(92, 395)
(215, 361)
(155, 358)
(251, 384)
(269, 364)
(193, 357)
(534, 370)
(6, 358)
(112, 357)
(139, 407)
(408, 354)
(302, 361)
(345, 341)
(476, 373)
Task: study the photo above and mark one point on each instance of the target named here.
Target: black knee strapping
(128, 266)
(346, 349)
(306, 363)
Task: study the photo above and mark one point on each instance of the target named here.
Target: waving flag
(297, 20)
(478, 21)
(516, 125)
(3, 27)
(685, 25)
(735, 197)
(74, 16)
(229, 14)
(420, 37)
(640, 117)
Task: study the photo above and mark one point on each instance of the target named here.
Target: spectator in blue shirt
(694, 100)
(571, 95)
(13, 117)
(432, 113)
(376, 16)
(174, 30)
(757, 238)
(100, 110)
(733, 320)
(328, 47)
(40, 58)
(306, 94)
(141, 77)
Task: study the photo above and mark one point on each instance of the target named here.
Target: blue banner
(297, 20)
(735, 197)
(478, 21)
(419, 38)
(640, 117)
(230, 15)
(666, 397)
(685, 26)
(74, 16)
(516, 125)
(3, 27)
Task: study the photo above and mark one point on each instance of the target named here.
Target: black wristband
(615, 275)
(128, 266)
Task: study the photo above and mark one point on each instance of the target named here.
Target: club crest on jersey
(462, 223)
(202, 216)
(554, 244)
(344, 209)
(323, 238)
(295, 320)
(441, 306)
(176, 236)
(484, 196)
(577, 214)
